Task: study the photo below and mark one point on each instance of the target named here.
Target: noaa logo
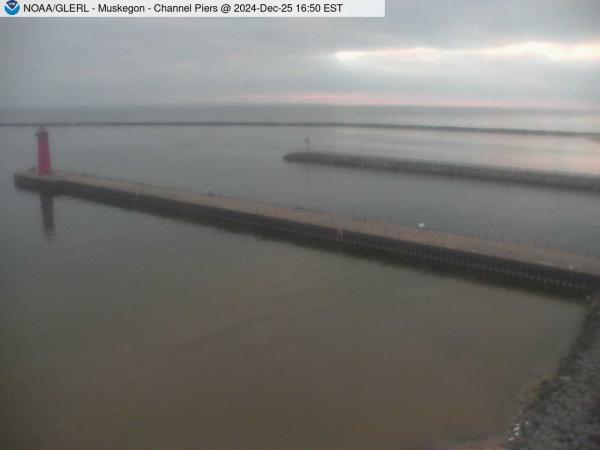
(12, 7)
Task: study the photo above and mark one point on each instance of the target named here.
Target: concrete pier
(540, 266)
(505, 174)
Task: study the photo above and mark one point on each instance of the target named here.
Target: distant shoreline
(375, 126)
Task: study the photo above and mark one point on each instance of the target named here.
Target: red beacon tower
(43, 166)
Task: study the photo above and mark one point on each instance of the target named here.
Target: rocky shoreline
(562, 412)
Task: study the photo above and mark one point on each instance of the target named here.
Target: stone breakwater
(305, 124)
(483, 172)
(562, 412)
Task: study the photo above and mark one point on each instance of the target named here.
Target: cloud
(546, 50)
(536, 51)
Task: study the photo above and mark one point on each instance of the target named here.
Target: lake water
(125, 330)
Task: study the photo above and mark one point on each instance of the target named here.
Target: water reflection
(47, 207)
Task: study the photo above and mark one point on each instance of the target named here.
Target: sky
(507, 53)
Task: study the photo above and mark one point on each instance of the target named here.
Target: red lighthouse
(43, 167)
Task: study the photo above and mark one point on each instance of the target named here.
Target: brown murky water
(132, 331)
(125, 330)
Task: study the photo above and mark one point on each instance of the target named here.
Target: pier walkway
(543, 266)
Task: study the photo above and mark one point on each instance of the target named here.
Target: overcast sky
(468, 52)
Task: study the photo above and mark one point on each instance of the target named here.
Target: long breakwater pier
(312, 124)
(535, 265)
(504, 174)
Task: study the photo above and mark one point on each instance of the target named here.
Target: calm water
(125, 330)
